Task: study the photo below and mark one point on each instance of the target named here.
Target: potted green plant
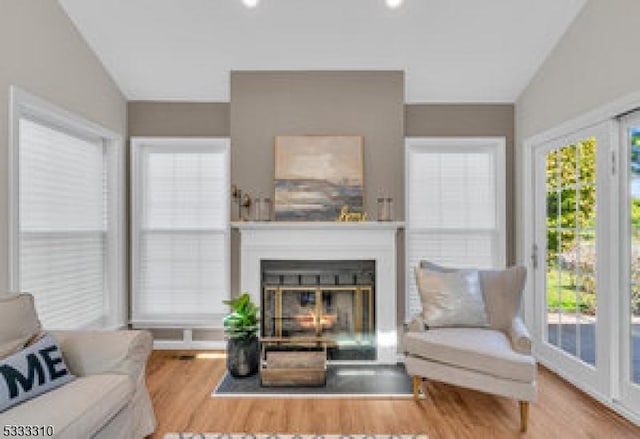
(241, 328)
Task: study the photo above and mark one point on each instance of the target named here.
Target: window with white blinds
(64, 232)
(180, 230)
(455, 205)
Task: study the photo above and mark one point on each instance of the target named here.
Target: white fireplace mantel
(328, 241)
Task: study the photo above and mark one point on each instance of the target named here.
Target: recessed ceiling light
(393, 4)
(251, 3)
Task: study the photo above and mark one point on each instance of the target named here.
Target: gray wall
(43, 53)
(180, 119)
(471, 120)
(593, 64)
(267, 104)
(183, 119)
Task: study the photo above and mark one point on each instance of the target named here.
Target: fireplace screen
(331, 300)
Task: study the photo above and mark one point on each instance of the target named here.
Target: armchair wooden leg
(524, 415)
(416, 387)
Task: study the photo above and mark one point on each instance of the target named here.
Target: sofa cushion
(32, 371)
(88, 402)
(18, 322)
(452, 298)
(483, 350)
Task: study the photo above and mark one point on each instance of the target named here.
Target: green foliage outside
(566, 300)
(242, 321)
(635, 273)
(635, 213)
(571, 196)
(571, 222)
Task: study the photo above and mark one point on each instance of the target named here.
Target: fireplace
(325, 242)
(333, 300)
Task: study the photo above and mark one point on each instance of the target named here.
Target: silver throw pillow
(452, 298)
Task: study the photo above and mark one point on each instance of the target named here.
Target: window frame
(628, 391)
(497, 145)
(23, 105)
(175, 144)
(611, 112)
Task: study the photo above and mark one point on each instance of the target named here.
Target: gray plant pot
(243, 356)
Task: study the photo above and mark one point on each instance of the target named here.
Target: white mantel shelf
(321, 241)
(317, 225)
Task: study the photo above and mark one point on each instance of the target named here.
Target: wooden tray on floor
(290, 364)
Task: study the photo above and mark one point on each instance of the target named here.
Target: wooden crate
(293, 368)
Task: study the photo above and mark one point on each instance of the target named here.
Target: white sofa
(108, 399)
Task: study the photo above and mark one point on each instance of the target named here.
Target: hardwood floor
(181, 393)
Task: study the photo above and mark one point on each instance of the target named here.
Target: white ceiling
(451, 50)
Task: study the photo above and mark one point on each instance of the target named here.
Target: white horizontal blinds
(454, 208)
(182, 236)
(184, 190)
(62, 224)
(453, 190)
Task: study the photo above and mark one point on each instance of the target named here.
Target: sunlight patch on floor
(211, 355)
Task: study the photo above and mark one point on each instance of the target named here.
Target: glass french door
(630, 261)
(572, 184)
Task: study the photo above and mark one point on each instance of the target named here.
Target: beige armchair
(496, 359)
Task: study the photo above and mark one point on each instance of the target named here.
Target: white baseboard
(170, 345)
(188, 343)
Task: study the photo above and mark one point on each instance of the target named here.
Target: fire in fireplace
(330, 300)
(311, 321)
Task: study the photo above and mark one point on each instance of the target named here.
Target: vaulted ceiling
(451, 50)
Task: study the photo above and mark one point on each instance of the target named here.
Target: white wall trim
(613, 109)
(24, 104)
(178, 345)
(178, 144)
(563, 133)
(457, 144)
(598, 379)
(629, 392)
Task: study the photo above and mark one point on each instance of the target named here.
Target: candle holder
(236, 196)
(385, 209)
(262, 209)
(245, 207)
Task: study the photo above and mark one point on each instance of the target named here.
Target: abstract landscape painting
(315, 176)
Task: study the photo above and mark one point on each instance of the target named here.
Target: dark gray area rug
(343, 381)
